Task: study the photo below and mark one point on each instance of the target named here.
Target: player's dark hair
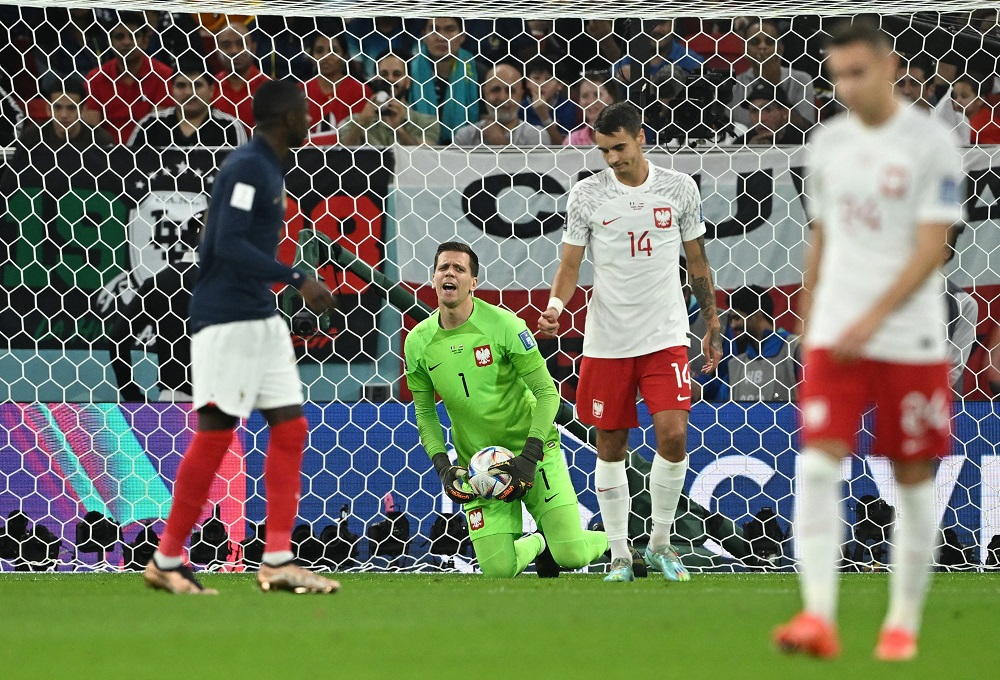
(273, 100)
(752, 299)
(458, 247)
(860, 31)
(619, 116)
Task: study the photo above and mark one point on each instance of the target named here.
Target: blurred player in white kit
(883, 186)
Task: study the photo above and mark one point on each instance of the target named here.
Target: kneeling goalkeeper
(485, 365)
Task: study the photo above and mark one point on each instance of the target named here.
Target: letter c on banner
(481, 207)
(728, 467)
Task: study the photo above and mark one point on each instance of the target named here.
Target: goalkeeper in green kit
(485, 365)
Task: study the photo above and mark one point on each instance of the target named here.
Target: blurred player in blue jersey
(241, 353)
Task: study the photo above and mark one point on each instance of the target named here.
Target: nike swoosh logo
(607, 222)
(431, 368)
(551, 497)
(600, 490)
(680, 398)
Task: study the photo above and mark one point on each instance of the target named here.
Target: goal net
(114, 125)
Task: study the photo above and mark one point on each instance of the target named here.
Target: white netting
(97, 233)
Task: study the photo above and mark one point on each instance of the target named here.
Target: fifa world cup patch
(598, 408)
(527, 339)
(476, 519)
(663, 217)
(484, 355)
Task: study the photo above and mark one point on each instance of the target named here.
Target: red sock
(194, 478)
(283, 481)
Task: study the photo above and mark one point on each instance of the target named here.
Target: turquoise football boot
(666, 561)
(621, 571)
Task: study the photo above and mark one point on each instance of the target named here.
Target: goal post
(92, 227)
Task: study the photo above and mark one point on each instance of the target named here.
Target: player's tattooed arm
(700, 276)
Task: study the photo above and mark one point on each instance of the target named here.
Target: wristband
(556, 303)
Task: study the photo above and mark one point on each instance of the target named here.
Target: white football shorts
(243, 365)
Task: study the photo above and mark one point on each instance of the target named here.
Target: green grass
(73, 627)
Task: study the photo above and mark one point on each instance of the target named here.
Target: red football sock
(194, 478)
(283, 481)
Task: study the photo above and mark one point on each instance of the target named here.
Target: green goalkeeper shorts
(553, 489)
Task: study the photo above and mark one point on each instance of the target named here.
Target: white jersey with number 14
(634, 236)
(872, 188)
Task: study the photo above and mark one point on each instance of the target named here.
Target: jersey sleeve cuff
(295, 278)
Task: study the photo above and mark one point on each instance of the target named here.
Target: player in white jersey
(635, 217)
(883, 183)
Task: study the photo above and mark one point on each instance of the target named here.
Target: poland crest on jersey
(664, 217)
(484, 355)
(476, 519)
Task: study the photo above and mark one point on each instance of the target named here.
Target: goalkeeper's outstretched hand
(451, 478)
(521, 469)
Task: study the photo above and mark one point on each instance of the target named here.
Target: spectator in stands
(445, 81)
(52, 151)
(367, 39)
(388, 119)
(972, 95)
(963, 315)
(173, 36)
(64, 125)
(72, 41)
(281, 45)
(488, 40)
(502, 125)
(192, 121)
(594, 93)
(332, 94)
(594, 45)
(668, 49)
(769, 118)
(538, 39)
(770, 367)
(11, 118)
(128, 86)
(765, 50)
(240, 76)
(546, 104)
(915, 81)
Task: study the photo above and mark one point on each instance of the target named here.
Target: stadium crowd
(85, 77)
(387, 80)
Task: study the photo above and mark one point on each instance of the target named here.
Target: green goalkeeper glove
(521, 470)
(451, 477)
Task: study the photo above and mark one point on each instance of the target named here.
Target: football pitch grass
(78, 626)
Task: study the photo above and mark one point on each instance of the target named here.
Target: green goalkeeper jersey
(484, 371)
